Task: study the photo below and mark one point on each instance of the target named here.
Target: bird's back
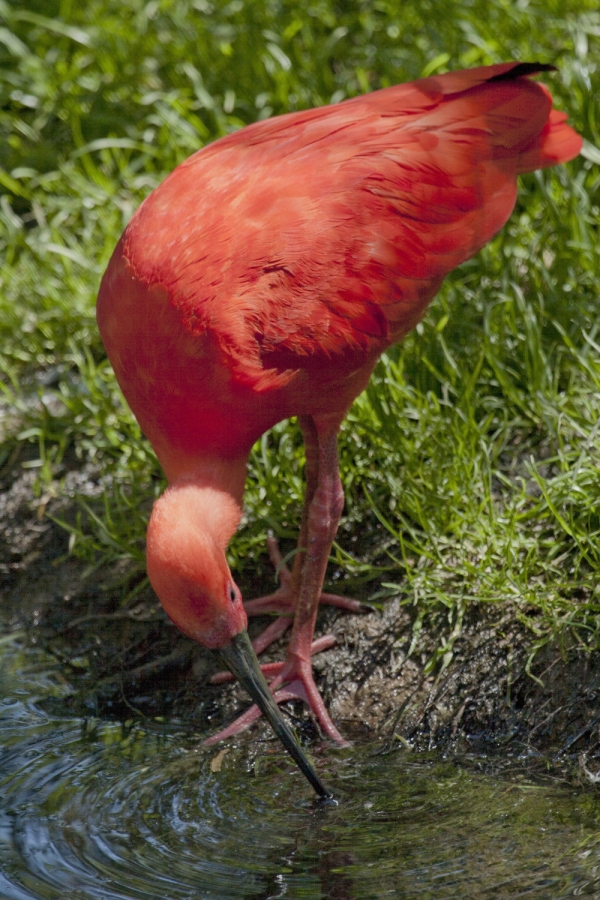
(302, 246)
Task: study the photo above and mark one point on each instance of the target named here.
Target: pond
(96, 809)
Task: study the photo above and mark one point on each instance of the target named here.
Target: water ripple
(97, 810)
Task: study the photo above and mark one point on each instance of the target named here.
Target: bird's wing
(326, 233)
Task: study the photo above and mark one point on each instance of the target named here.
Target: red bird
(262, 280)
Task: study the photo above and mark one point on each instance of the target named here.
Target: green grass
(471, 464)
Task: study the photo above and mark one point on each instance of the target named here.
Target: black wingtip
(519, 70)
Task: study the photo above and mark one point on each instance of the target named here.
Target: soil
(129, 661)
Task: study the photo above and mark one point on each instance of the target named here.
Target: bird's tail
(556, 142)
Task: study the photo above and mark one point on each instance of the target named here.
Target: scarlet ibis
(262, 280)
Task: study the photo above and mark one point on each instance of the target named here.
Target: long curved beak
(240, 659)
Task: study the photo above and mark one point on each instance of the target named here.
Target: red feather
(307, 244)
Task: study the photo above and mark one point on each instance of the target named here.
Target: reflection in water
(99, 810)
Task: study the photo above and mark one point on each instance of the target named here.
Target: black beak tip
(326, 801)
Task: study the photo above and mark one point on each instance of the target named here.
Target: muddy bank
(129, 661)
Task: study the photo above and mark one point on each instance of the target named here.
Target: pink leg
(284, 599)
(323, 508)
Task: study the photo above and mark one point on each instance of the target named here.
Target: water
(100, 810)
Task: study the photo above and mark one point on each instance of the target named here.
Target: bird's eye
(232, 593)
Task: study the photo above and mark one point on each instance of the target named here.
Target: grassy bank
(471, 463)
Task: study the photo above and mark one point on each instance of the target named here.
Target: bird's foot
(271, 670)
(267, 637)
(293, 681)
(283, 600)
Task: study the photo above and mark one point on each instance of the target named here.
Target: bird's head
(188, 534)
(189, 529)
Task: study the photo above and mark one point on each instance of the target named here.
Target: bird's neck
(203, 497)
(228, 476)
(193, 521)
